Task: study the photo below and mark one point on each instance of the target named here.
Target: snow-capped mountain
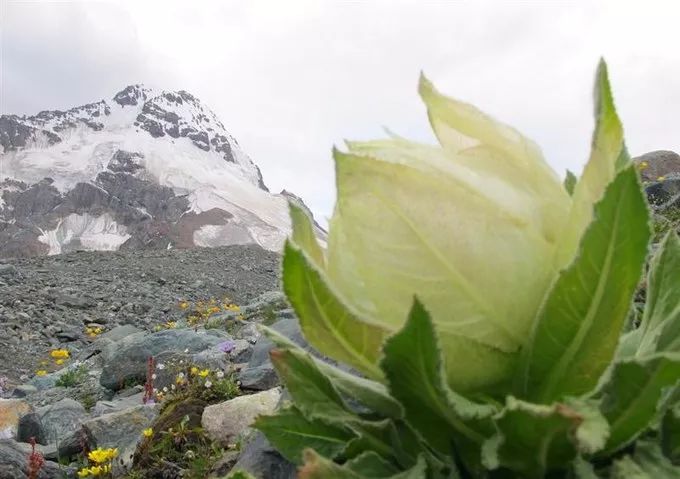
(145, 169)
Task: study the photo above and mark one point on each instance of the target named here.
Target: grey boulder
(126, 360)
(61, 418)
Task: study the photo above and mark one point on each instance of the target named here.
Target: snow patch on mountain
(146, 169)
(85, 231)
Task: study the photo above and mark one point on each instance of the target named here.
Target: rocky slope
(144, 170)
(49, 301)
(144, 302)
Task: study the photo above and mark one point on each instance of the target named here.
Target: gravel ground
(46, 302)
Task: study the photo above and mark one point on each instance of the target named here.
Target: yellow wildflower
(204, 373)
(148, 432)
(194, 371)
(183, 305)
(100, 456)
(93, 332)
(60, 354)
(84, 472)
(59, 362)
(170, 324)
(40, 372)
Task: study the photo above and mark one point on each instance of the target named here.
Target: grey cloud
(59, 55)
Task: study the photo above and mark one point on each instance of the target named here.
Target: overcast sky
(291, 78)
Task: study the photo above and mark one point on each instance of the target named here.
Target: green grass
(72, 377)
(88, 400)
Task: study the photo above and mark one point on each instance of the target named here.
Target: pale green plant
(485, 306)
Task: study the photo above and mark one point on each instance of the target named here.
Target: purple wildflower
(227, 346)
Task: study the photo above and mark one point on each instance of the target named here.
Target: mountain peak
(171, 115)
(132, 95)
(148, 168)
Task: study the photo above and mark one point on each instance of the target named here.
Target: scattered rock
(73, 444)
(225, 463)
(8, 270)
(657, 164)
(61, 418)
(102, 406)
(14, 462)
(259, 374)
(258, 378)
(23, 390)
(30, 426)
(42, 298)
(664, 193)
(128, 361)
(121, 429)
(225, 422)
(260, 459)
(75, 302)
(10, 412)
(117, 404)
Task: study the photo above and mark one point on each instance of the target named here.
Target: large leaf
(326, 322)
(631, 397)
(290, 433)
(401, 247)
(312, 392)
(490, 147)
(660, 327)
(533, 438)
(608, 155)
(371, 394)
(648, 462)
(317, 398)
(303, 233)
(414, 372)
(577, 330)
(370, 464)
(318, 467)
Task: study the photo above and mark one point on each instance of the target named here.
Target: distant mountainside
(145, 169)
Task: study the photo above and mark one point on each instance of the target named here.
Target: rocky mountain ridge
(144, 170)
